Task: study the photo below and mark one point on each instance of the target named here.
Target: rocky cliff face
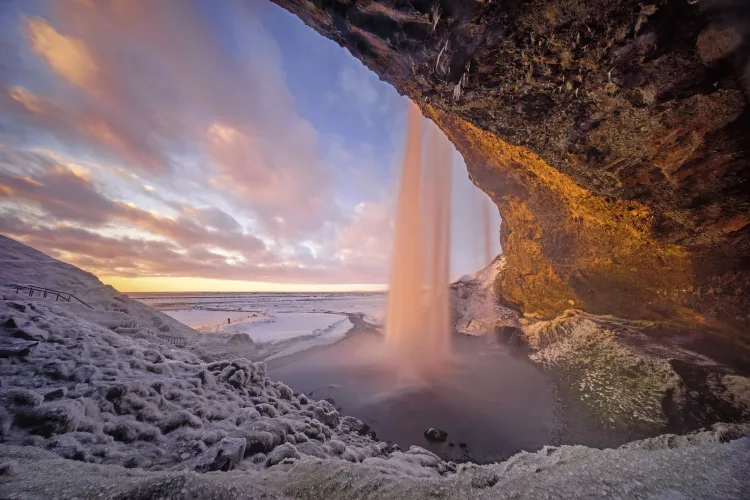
(612, 134)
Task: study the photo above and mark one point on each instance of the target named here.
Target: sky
(204, 146)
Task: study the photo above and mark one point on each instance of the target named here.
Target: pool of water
(491, 403)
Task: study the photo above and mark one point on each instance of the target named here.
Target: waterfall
(418, 322)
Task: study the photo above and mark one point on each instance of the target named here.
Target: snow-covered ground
(299, 321)
(93, 404)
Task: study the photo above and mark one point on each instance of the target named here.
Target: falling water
(487, 231)
(418, 315)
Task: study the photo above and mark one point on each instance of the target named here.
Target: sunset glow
(199, 146)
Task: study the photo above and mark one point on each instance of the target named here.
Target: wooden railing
(176, 341)
(44, 292)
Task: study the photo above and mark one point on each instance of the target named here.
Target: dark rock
(436, 435)
(6, 421)
(50, 418)
(258, 442)
(31, 332)
(229, 455)
(57, 370)
(17, 396)
(10, 348)
(240, 338)
(12, 323)
(67, 447)
(462, 445)
(512, 337)
(18, 306)
(58, 393)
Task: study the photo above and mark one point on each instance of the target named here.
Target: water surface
(495, 403)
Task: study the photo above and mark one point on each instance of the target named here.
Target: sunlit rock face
(613, 136)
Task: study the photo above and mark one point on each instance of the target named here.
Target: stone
(436, 435)
(10, 348)
(281, 453)
(18, 396)
(18, 306)
(258, 442)
(58, 393)
(240, 338)
(30, 332)
(50, 418)
(328, 417)
(229, 455)
(12, 323)
(85, 373)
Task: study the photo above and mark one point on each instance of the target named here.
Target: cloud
(66, 195)
(203, 162)
(288, 187)
(67, 56)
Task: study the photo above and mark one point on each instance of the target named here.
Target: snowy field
(299, 320)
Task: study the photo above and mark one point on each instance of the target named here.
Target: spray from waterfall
(418, 325)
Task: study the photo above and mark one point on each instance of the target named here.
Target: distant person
(229, 321)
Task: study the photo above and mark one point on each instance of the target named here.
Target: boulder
(258, 442)
(58, 393)
(50, 418)
(436, 435)
(281, 453)
(11, 348)
(18, 306)
(240, 338)
(229, 455)
(30, 332)
(328, 417)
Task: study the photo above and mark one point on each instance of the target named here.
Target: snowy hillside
(23, 265)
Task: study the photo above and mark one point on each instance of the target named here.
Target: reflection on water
(493, 402)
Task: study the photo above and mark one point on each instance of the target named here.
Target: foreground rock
(99, 386)
(699, 466)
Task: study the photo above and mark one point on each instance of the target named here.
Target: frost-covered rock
(240, 338)
(476, 310)
(229, 455)
(281, 453)
(51, 418)
(12, 348)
